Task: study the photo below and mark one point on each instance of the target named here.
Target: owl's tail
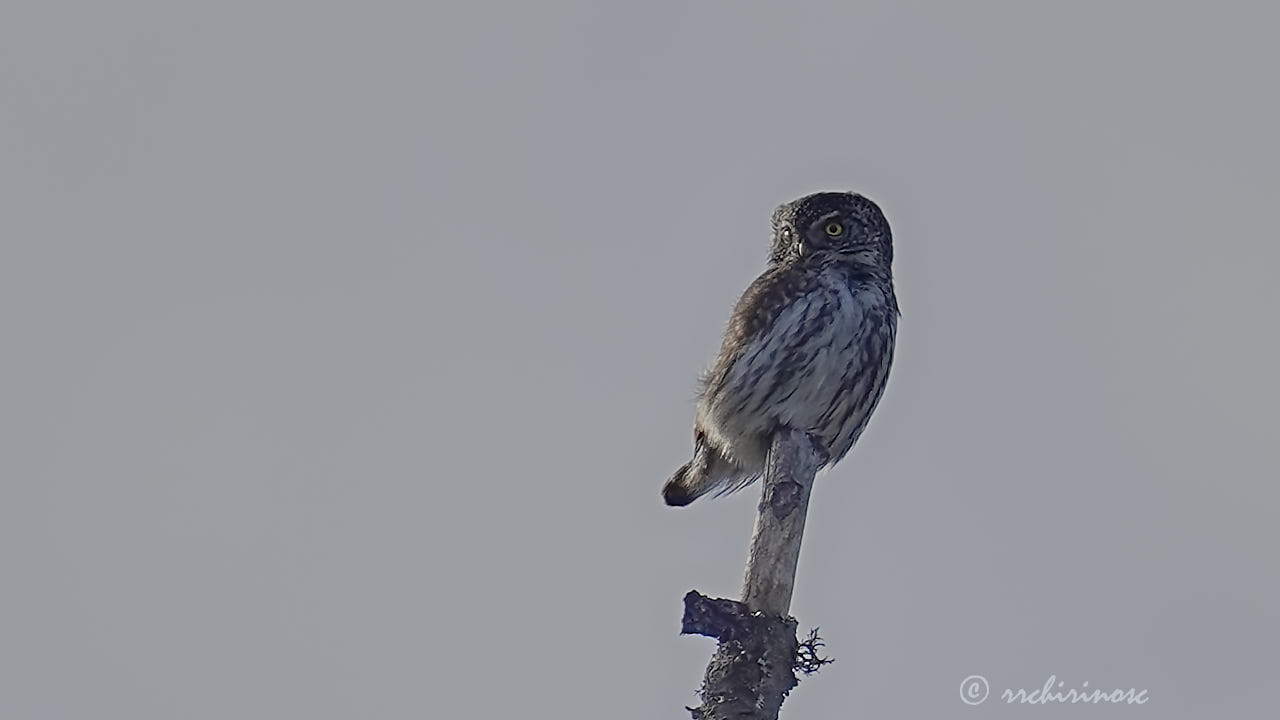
(685, 486)
(708, 471)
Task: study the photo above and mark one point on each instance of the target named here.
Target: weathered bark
(784, 503)
(754, 665)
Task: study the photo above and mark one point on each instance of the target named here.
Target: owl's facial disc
(842, 222)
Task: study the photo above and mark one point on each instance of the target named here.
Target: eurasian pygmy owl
(808, 346)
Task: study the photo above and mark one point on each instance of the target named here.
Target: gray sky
(346, 347)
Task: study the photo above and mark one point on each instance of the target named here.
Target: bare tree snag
(784, 503)
(754, 665)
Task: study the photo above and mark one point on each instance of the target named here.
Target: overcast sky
(346, 346)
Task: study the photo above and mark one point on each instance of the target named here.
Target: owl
(808, 346)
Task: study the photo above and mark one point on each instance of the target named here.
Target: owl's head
(832, 223)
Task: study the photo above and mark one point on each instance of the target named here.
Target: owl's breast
(842, 345)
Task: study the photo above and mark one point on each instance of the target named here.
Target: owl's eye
(834, 228)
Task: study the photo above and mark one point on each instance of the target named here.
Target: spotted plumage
(808, 346)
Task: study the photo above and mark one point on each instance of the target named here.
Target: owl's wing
(797, 346)
(784, 322)
(789, 346)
